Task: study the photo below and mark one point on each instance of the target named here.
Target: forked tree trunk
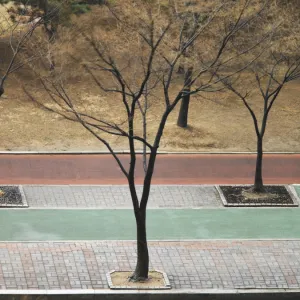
(142, 265)
(182, 120)
(258, 181)
(180, 69)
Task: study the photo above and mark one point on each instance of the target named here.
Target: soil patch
(242, 196)
(120, 280)
(11, 196)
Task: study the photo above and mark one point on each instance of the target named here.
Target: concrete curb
(127, 152)
(187, 294)
(172, 291)
(155, 241)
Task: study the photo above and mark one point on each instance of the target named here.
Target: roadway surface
(170, 169)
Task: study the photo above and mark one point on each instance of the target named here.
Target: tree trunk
(180, 69)
(43, 5)
(258, 182)
(49, 16)
(182, 120)
(1, 91)
(142, 266)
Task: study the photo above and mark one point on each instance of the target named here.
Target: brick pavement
(108, 196)
(195, 265)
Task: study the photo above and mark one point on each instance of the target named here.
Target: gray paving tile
(119, 196)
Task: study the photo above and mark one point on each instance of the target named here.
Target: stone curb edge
(172, 291)
(24, 200)
(289, 187)
(155, 241)
(127, 152)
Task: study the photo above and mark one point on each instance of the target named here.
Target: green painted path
(163, 224)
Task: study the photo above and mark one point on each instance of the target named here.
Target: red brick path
(170, 169)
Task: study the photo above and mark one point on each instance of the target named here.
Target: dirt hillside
(220, 123)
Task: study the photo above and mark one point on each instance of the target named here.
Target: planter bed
(12, 196)
(240, 196)
(118, 280)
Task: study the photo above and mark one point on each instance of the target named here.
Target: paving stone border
(291, 190)
(166, 286)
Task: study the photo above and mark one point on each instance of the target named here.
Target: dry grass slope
(220, 123)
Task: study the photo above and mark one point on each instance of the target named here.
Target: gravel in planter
(241, 196)
(12, 196)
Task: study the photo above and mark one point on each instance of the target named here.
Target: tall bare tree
(269, 79)
(135, 67)
(277, 64)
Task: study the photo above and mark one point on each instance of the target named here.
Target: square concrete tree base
(289, 191)
(118, 280)
(12, 196)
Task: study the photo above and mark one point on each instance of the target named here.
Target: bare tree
(136, 69)
(269, 79)
(277, 64)
(192, 21)
(182, 120)
(17, 36)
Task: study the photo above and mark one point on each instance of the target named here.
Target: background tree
(269, 80)
(33, 10)
(54, 12)
(182, 120)
(136, 68)
(277, 64)
(192, 21)
(17, 36)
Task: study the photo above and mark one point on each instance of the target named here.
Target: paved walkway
(118, 196)
(191, 260)
(189, 265)
(169, 169)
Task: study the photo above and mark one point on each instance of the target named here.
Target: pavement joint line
(170, 291)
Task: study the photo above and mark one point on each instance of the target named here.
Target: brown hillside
(218, 122)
